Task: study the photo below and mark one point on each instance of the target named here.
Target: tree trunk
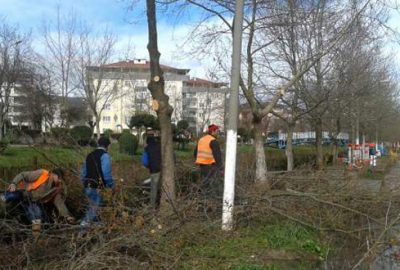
(164, 112)
(140, 137)
(289, 148)
(318, 144)
(261, 165)
(167, 170)
(97, 126)
(2, 124)
(335, 151)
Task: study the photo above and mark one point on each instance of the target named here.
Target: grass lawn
(250, 247)
(27, 156)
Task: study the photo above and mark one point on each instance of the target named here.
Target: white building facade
(198, 101)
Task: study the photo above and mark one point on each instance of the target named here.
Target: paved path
(391, 182)
(389, 259)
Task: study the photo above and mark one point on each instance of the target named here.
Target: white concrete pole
(231, 138)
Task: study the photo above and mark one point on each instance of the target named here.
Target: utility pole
(231, 138)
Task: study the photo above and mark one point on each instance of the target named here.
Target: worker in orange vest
(208, 156)
(34, 188)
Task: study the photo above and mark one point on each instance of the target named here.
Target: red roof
(143, 65)
(197, 82)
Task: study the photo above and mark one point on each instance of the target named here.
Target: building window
(106, 118)
(107, 106)
(127, 83)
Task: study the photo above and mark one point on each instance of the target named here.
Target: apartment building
(204, 103)
(30, 108)
(125, 94)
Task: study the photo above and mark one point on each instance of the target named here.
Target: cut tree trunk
(164, 112)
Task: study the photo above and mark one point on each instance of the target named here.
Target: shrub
(128, 143)
(81, 134)
(115, 136)
(59, 132)
(3, 145)
(143, 120)
(108, 133)
(93, 142)
(61, 135)
(33, 132)
(182, 125)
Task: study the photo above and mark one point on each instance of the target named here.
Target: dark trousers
(210, 182)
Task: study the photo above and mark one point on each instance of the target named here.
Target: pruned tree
(163, 109)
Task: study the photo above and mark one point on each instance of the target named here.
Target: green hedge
(128, 143)
(81, 134)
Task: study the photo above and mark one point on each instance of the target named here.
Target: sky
(126, 20)
(129, 23)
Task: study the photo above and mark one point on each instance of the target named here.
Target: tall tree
(163, 108)
(256, 80)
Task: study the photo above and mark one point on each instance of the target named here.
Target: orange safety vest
(204, 151)
(35, 184)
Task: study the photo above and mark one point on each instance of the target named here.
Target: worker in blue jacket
(96, 175)
(151, 159)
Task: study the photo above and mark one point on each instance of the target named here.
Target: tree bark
(164, 112)
(289, 148)
(335, 151)
(318, 144)
(97, 126)
(261, 165)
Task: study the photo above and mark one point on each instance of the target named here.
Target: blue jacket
(106, 170)
(151, 157)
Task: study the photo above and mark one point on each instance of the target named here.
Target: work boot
(36, 228)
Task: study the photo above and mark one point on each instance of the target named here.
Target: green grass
(247, 247)
(26, 156)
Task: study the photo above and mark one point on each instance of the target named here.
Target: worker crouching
(33, 189)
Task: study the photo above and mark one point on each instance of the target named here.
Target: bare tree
(61, 41)
(163, 109)
(94, 80)
(14, 49)
(34, 91)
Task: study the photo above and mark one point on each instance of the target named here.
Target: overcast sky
(129, 24)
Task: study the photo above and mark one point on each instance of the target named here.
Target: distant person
(35, 188)
(151, 159)
(208, 156)
(96, 175)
